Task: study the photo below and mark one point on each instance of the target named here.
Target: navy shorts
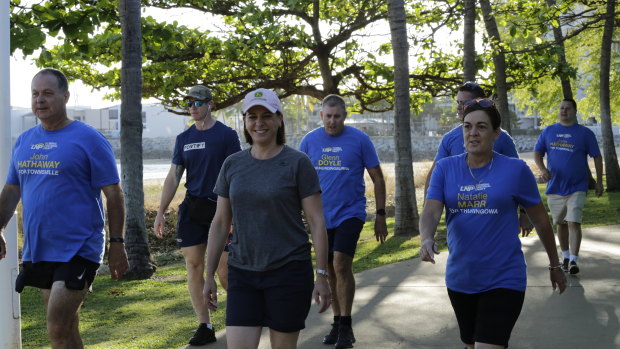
(76, 273)
(487, 317)
(190, 232)
(279, 299)
(344, 238)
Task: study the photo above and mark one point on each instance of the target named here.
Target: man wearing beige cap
(201, 150)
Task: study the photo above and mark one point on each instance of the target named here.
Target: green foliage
(154, 313)
(543, 93)
(313, 48)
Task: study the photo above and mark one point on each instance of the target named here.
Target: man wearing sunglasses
(201, 150)
(453, 143)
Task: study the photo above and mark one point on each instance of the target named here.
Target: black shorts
(279, 299)
(487, 317)
(76, 273)
(344, 238)
(190, 232)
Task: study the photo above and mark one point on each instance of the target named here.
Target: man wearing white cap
(201, 150)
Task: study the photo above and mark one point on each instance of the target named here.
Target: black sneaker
(332, 336)
(573, 269)
(345, 337)
(204, 335)
(565, 265)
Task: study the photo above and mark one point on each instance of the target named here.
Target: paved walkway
(405, 305)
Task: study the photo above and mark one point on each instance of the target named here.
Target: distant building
(157, 122)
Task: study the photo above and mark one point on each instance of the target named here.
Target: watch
(322, 272)
(117, 240)
(381, 212)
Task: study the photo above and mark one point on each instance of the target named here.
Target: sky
(22, 71)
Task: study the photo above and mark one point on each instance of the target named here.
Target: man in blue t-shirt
(452, 142)
(58, 170)
(340, 154)
(568, 145)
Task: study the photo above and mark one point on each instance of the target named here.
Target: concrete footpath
(405, 305)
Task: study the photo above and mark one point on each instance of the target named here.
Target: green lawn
(157, 314)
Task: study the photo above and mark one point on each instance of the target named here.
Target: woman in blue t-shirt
(481, 191)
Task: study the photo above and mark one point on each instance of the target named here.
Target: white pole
(10, 334)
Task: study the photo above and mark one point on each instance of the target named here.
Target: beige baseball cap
(263, 97)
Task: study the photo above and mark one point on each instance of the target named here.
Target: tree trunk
(567, 91)
(469, 40)
(131, 141)
(499, 60)
(612, 171)
(407, 217)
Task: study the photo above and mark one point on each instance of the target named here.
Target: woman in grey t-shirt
(262, 191)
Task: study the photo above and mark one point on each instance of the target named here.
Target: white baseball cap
(263, 97)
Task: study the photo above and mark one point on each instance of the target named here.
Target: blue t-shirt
(202, 153)
(60, 174)
(568, 148)
(340, 162)
(453, 143)
(482, 220)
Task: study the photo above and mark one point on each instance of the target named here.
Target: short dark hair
(473, 88)
(334, 101)
(487, 106)
(280, 136)
(63, 84)
(572, 101)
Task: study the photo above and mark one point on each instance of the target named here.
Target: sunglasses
(197, 103)
(482, 103)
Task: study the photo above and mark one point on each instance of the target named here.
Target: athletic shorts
(279, 299)
(567, 208)
(487, 317)
(189, 232)
(344, 238)
(76, 273)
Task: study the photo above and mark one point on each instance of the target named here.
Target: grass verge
(157, 313)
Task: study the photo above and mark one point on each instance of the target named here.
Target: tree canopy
(316, 47)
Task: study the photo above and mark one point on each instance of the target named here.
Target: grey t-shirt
(265, 196)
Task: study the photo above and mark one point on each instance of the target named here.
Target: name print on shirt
(38, 164)
(562, 144)
(475, 203)
(329, 162)
(194, 146)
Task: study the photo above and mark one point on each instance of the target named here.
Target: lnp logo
(258, 94)
(46, 145)
(564, 135)
(479, 186)
(332, 150)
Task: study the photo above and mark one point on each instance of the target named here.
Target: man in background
(340, 154)
(568, 146)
